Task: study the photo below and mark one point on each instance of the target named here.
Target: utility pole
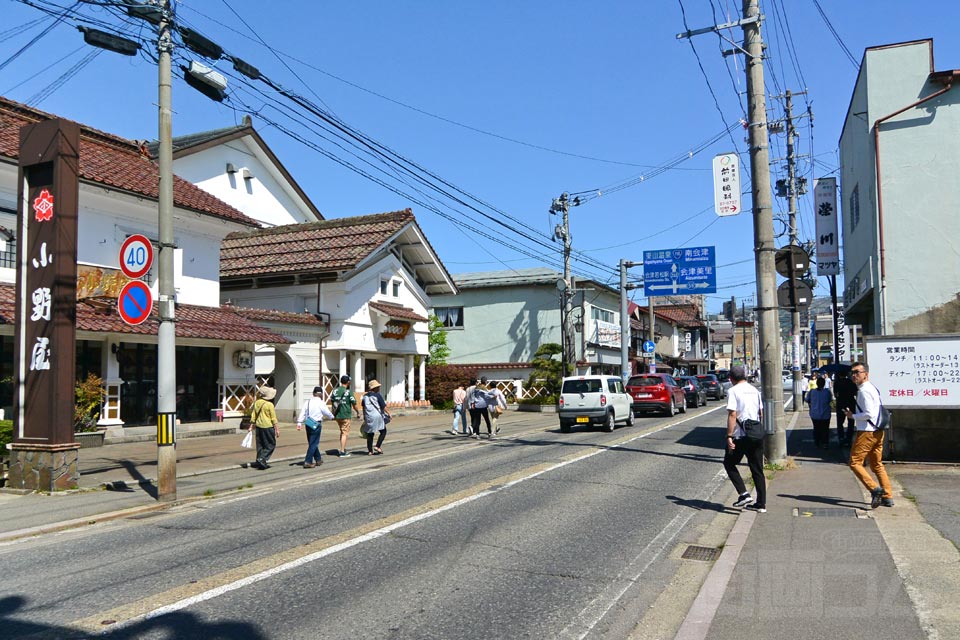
(166, 337)
(625, 319)
(561, 205)
(792, 194)
(775, 444)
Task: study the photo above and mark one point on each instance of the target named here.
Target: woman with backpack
(375, 418)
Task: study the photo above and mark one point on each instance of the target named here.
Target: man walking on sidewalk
(868, 443)
(344, 405)
(744, 406)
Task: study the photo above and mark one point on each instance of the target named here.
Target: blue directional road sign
(679, 271)
(648, 346)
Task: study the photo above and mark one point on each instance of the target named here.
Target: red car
(656, 392)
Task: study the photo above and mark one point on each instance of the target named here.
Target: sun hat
(267, 393)
(372, 385)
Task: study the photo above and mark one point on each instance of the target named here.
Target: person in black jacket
(845, 392)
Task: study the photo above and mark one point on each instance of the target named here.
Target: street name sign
(679, 271)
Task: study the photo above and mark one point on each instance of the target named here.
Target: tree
(437, 341)
(547, 369)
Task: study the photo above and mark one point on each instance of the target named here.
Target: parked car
(696, 395)
(712, 385)
(594, 400)
(723, 375)
(656, 392)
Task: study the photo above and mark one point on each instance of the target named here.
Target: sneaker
(876, 496)
(344, 454)
(886, 502)
(453, 432)
(255, 464)
(475, 436)
(308, 465)
(758, 509)
(743, 500)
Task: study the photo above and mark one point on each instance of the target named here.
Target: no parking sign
(135, 302)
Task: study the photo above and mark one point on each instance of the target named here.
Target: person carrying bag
(311, 416)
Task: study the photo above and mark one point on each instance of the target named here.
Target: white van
(594, 400)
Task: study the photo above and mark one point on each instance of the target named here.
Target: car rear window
(581, 386)
(644, 381)
(707, 378)
(723, 375)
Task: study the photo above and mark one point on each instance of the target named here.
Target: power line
(836, 36)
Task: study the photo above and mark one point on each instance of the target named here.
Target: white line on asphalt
(373, 535)
(594, 612)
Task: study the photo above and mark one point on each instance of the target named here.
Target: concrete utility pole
(775, 444)
(562, 205)
(792, 194)
(166, 338)
(625, 319)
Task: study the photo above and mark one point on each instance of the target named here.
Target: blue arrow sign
(679, 271)
(648, 346)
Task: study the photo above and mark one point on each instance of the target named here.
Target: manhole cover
(825, 512)
(708, 554)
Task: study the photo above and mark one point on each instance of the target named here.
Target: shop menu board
(916, 371)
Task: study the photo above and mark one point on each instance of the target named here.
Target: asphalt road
(538, 535)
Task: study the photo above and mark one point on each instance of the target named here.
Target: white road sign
(726, 184)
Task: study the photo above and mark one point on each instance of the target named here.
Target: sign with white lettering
(828, 236)
(913, 371)
(726, 184)
(679, 271)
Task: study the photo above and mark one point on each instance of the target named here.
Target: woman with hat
(375, 418)
(312, 415)
(264, 418)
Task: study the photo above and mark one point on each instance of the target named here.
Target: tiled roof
(325, 246)
(271, 315)
(114, 162)
(208, 323)
(511, 277)
(397, 311)
(681, 315)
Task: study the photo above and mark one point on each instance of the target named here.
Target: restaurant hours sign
(915, 371)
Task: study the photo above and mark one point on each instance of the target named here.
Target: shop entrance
(197, 390)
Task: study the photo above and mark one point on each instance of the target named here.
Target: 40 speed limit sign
(136, 256)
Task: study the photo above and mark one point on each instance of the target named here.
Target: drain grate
(708, 554)
(825, 512)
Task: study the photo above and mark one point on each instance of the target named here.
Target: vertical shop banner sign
(828, 236)
(726, 184)
(45, 334)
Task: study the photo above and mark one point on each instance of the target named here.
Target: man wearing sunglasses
(868, 443)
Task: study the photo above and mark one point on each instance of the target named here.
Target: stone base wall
(924, 435)
(44, 468)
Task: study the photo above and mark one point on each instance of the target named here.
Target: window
(396, 288)
(383, 287)
(855, 207)
(601, 314)
(450, 317)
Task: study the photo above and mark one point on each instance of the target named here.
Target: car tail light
(561, 401)
(603, 400)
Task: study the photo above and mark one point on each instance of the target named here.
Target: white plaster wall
(263, 197)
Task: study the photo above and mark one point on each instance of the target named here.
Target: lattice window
(236, 398)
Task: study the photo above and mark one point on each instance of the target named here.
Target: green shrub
(6, 436)
(542, 400)
(88, 396)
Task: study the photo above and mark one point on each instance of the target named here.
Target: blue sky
(511, 102)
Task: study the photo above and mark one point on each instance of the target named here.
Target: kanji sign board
(726, 184)
(677, 271)
(914, 371)
(828, 235)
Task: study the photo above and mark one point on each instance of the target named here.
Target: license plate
(583, 419)
(644, 395)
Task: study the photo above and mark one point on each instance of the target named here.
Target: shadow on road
(181, 625)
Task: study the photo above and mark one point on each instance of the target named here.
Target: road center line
(214, 586)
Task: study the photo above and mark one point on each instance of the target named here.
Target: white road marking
(373, 535)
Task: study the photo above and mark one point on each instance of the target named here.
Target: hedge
(6, 435)
(443, 379)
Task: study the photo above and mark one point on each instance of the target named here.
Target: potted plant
(88, 398)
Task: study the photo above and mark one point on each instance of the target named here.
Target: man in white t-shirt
(744, 405)
(868, 443)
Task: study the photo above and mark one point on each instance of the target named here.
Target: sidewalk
(821, 564)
